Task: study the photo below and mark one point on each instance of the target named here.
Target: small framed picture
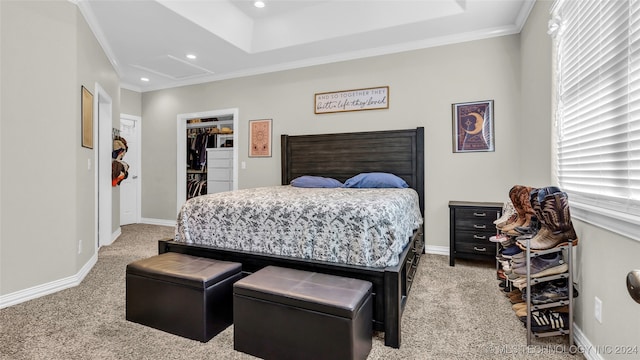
(473, 126)
(260, 138)
(86, 113)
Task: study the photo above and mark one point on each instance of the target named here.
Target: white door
(130, 187)
(103, 111)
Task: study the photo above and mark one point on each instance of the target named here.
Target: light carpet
(452, 313)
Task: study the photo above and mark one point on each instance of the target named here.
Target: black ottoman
(181, 294)
(283, 313)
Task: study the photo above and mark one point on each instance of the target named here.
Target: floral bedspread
(368, 227)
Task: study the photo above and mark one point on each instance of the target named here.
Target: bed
(337, 156)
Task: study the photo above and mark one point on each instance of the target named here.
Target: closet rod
(208, 124)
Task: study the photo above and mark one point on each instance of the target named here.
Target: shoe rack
(566, 251)
(537, 239)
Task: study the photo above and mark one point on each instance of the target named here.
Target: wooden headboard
(341, 156)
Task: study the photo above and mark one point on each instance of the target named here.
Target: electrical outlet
(598, 310)
(79, 246)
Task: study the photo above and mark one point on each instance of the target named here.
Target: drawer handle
(479, 226)
(479, 214)
(480, 237)
(481, 249)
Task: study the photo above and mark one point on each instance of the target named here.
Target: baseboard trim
(162, 222)
(585, 347)
(116, 234)
(48, 288)
(436, 250)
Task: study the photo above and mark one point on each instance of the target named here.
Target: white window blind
(597, 46)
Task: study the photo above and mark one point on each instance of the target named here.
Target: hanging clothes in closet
(198, 140)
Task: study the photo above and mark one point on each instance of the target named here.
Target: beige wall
(423, 85)
(130, 102)
(602, 258)
(534, 137)
(38, 143)
(47, 192)
(94, 67)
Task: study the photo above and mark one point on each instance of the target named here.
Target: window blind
(597, 47)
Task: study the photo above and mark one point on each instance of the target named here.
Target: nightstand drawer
(488, 248)
(473, 237)
(475, 219)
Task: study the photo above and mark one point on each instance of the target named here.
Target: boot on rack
(522, 205)
(514, 215)
(556, 227)
(507, 212)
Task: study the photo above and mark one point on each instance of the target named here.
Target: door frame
(138, 121)
(103, 196)
(181, 173)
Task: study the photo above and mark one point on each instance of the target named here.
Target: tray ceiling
(232, 38)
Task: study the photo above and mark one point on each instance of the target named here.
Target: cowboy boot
(512, 196)
(565, 226)
(535, 196)
(531, 225)
(523, 209)
(559, 229)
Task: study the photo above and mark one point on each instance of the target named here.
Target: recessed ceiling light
(259, 4)
(144, 79)
(191, 56)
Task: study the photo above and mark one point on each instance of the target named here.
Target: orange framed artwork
(260, 138)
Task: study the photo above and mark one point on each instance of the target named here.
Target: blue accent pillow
(375, 180)
(308, 181)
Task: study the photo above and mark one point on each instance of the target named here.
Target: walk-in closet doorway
(182, 120)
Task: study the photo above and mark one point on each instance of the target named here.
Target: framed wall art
(86, 105)
(473, 126)
(260, 138)
(352, 100)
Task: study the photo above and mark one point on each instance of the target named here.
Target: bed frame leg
(392, 309)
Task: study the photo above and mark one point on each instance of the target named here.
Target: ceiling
(232, 38)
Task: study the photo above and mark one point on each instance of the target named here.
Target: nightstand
(470, 227)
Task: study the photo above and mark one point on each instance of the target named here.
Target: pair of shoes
(548, 320)
(521, 310)
(522, 314)
(518, 306)
(514, 292)
(513, 276)
(541, 263)
(510, 251)
(560, 269)
(498, 238)
(552, 292)
(500, 274)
